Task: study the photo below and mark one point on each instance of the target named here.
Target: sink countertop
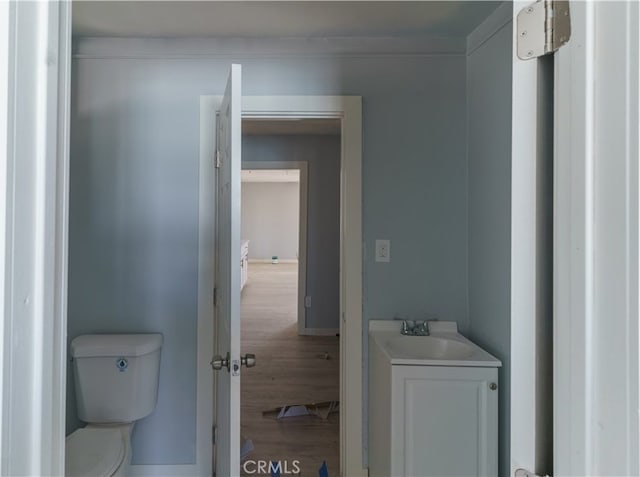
(443, 347)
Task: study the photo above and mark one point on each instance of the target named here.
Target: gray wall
(134, 196)
(489, 143)
(322, 154)
(271, 218)
(133, 243)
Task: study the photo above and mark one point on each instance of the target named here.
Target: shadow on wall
(133, 258)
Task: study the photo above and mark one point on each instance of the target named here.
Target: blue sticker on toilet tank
(122, 364)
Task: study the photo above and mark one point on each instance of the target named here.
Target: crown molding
(495, 22)
(196, 48)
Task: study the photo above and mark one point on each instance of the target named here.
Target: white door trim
(596, 380)
(35, 59)
(573, 246)
(349, 109)
(303, 167)
(523, 193)
(531, 260)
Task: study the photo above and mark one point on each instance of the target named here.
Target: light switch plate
(383, 250)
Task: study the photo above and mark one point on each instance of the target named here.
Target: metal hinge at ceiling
(525, 473)
(218, 159)
(543, 27)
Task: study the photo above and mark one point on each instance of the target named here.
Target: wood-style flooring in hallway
(290, 369)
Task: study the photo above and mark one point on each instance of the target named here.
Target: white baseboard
(320, 331)
(187, 470)
(268, 260)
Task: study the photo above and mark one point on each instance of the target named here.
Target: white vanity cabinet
(432, 421)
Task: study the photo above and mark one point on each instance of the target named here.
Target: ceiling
(275, 127)
(259, 19)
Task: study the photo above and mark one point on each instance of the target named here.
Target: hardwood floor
(290, 369)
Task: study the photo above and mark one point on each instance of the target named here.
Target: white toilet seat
(95, 452)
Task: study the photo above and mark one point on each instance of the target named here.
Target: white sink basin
(428, 347)
(444, 347)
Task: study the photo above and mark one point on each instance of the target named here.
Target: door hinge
(215, 296)
(213, 434)
(543, 27)
(218, 159)
(526, 473)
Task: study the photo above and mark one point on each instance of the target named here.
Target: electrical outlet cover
(383, 250)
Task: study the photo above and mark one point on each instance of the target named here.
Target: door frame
(303, 167)
(35, 100)
(531, 259)
(349, 110)
(44, 411)
(596, 228)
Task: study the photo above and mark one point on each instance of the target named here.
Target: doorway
(290, 303)
(274, 223)
(24, 358)
(348, 110)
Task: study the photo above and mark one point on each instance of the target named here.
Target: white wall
(271, 219)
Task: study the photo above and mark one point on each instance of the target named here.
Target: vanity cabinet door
(444, 421)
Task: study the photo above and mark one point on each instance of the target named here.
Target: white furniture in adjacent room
(433, 404)
(244, 263)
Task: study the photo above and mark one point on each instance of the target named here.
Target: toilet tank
(116, 376)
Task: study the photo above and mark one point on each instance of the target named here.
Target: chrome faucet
(415, 328)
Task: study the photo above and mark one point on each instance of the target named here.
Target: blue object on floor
(323, 471)
(275, 469)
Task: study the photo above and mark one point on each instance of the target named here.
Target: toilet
(116, 384)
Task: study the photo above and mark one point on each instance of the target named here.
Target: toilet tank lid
(93, 346)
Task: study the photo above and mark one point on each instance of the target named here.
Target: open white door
(226, 363)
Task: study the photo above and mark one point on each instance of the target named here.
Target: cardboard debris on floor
(319, 409)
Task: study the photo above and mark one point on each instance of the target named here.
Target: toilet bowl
(98, 451)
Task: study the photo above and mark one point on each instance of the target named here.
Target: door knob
(249, 360)
(218, 362)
